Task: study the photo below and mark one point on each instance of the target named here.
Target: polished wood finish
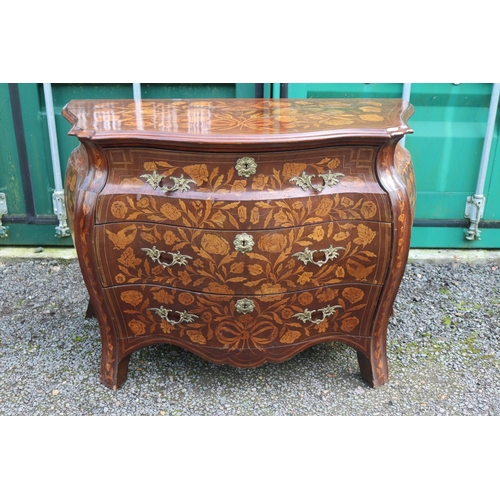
(242, 230)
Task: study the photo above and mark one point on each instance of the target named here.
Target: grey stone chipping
(443, 350)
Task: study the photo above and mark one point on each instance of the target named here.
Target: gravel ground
(443, 349)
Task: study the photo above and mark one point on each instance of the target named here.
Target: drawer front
(230, 262)
(236, 191)
(243, 322)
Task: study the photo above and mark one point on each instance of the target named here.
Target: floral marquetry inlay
(231, 263)
(331, 184)
(260, 322)
(243, 230)
(266, 214)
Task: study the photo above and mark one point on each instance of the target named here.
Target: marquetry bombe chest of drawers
(242, 230)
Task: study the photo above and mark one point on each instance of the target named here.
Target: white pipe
(136, 89)
(62, 231)
(54, 150)
(406, 97)
(406, 91)
(483, 168)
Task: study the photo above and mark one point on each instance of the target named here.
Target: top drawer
(146, 184)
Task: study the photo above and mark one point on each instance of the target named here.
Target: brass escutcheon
(244, 306)
(246, 166)
(243, 243)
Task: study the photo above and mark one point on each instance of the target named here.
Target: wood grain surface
(242, 230)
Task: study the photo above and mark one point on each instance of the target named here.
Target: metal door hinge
(474, 210)
(4, 230)
(62, 231)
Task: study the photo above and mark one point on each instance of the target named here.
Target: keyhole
(317, 317)
(246, 166)
(243, 243)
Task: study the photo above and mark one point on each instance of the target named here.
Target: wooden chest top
(264, 123)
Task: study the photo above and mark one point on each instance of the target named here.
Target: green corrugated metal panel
(492, 186)
(38, 153)
(197, 90)
(452, 237)
(449, 126)
(34, 235)
(10, 175)
(38, 146)
(344, 90)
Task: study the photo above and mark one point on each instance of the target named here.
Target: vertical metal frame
(62, 230)
(474, 206)
(406, 97)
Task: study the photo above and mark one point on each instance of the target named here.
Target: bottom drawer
(239, 323)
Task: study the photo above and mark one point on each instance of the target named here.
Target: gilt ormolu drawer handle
(307, 255)
(246, 166)
(177, 258)
(180, 184)
(184, 316)
(305, 181)
(307, 315)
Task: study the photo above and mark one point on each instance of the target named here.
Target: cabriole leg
(113, 375)
(373, 371)
(90, 311)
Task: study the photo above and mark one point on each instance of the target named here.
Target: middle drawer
(231, 262)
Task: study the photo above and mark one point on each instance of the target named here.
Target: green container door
(449, 126)
(26, 173)
(26, 178)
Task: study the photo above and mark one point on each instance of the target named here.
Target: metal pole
(136, 89)
(483, 168)
(406, 97)
(62, 231)
(54, 151)
(474, 207)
